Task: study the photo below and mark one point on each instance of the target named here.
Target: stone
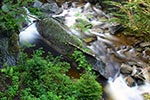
(8, 49)
(37, 4)
(51, 8)
(145, 44)
(130, 81)
(126, 69)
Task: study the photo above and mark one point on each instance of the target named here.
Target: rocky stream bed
(122, 60)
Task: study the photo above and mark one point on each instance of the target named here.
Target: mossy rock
(57, 36)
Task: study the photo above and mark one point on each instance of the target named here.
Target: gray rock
(126, 69)
(145, 44)
(37, 4)
(5, 56)
(51, 1)
(51, 8)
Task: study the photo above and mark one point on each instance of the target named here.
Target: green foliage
(13, 14)
(44, 78)
(88, 89)
(134, 16)
(79, 57)
(82, 25)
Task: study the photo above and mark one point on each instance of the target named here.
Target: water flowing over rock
(119, 90)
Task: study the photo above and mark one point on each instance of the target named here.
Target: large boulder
(59, 38)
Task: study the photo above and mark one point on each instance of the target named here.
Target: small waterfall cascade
(89, 24)
(29, 33)
(118, 90)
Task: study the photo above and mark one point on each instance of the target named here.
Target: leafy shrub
(81, 60)
(44, 78)
(88, 88)
(134, 16)
(13, 14)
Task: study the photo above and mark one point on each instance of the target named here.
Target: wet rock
(51, 1)
(139, 81)
(146, 53)
(130, 81)
(116, 29)
(139, 77)
(37, 4)
(92, 1)
(126, 69)
(146, 74)
(8, 49)
(51, 8)
(58, 38)
(145, 44)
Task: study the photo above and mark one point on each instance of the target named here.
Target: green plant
(13, 14)
(134, 16)
(82, 25)
(88, 88)
(45, 78)
(80, 58)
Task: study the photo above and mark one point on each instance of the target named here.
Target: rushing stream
(104, 45)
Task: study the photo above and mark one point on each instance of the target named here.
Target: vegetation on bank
(13, 14)
(45, 78)
(134, 16)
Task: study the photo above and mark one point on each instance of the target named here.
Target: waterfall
(29, 34)
(118, 90)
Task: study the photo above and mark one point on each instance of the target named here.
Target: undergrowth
(44, 78)
(134, 16)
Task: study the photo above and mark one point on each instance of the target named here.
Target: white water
(29, 34)
(118, 90)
